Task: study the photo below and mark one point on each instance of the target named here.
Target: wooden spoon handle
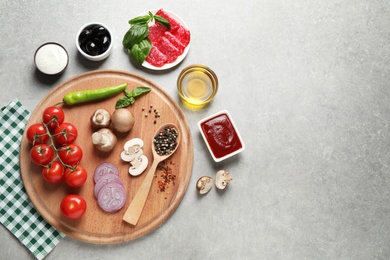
(136, 206)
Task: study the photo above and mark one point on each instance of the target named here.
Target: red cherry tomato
(73, 206)
(66, 133)
(53, 116)
(36, 134)
(53, 172)
(70, 154)
(42, 154)
(75, 177)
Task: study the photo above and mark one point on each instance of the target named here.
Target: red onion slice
(103, 169)
(112, 197)
(107, 178)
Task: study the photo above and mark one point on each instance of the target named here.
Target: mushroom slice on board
(138, 165)
(132, 149)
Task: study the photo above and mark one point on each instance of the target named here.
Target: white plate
(181, 57)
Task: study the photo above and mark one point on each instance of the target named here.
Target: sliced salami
(168, 49)
(156, 57)
(156, 31)
(175, 42)
(183, 35)
(175, 25)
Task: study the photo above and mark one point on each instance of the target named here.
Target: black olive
(92, 48)
(99, 31)
(104, 43)
(85, 35)
(94, 40)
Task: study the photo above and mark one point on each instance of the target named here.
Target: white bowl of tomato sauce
(221, 135)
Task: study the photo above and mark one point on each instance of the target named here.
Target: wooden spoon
(136, 206)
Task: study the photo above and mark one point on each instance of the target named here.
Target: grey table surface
(307, 84)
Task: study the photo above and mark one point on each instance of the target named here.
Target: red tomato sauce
(167, 45)
(221, 135)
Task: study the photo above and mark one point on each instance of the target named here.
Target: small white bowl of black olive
(94, 41)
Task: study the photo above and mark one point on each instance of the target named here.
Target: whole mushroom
(101, 118)
(222, 179)
(122, 120)
(104, 140)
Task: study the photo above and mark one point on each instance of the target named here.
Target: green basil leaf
(126, 42)
(137, 33)
(128, 93)
(141, 19)
(124, 102)
(132, 100)
(140, 51)
(138, 91)
(163, 21)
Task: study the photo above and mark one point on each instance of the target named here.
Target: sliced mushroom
(101, 118)
(222, 179)
(132, 149)
(104, 140)
(204, 184)
(138, 165)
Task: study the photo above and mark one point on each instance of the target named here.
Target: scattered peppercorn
(150, 111)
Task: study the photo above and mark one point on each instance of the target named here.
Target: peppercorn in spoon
(165, 142)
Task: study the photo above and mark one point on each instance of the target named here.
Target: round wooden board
(97, 226)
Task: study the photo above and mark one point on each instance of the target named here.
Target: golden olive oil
(197, 85)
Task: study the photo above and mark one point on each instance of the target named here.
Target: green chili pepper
(78, 97)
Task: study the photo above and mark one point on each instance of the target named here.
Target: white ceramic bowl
(51, 58)
(221, 135)
(99, 57)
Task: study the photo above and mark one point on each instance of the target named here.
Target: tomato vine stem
(56, 150)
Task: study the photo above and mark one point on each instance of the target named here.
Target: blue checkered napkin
(16, 211)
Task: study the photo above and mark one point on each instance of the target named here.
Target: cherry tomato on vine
(53, 116)
(70, 154)
(73, 206)
(75, 177)
(36, 134)
(42, 154)
(66, 133)
(53, 172)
